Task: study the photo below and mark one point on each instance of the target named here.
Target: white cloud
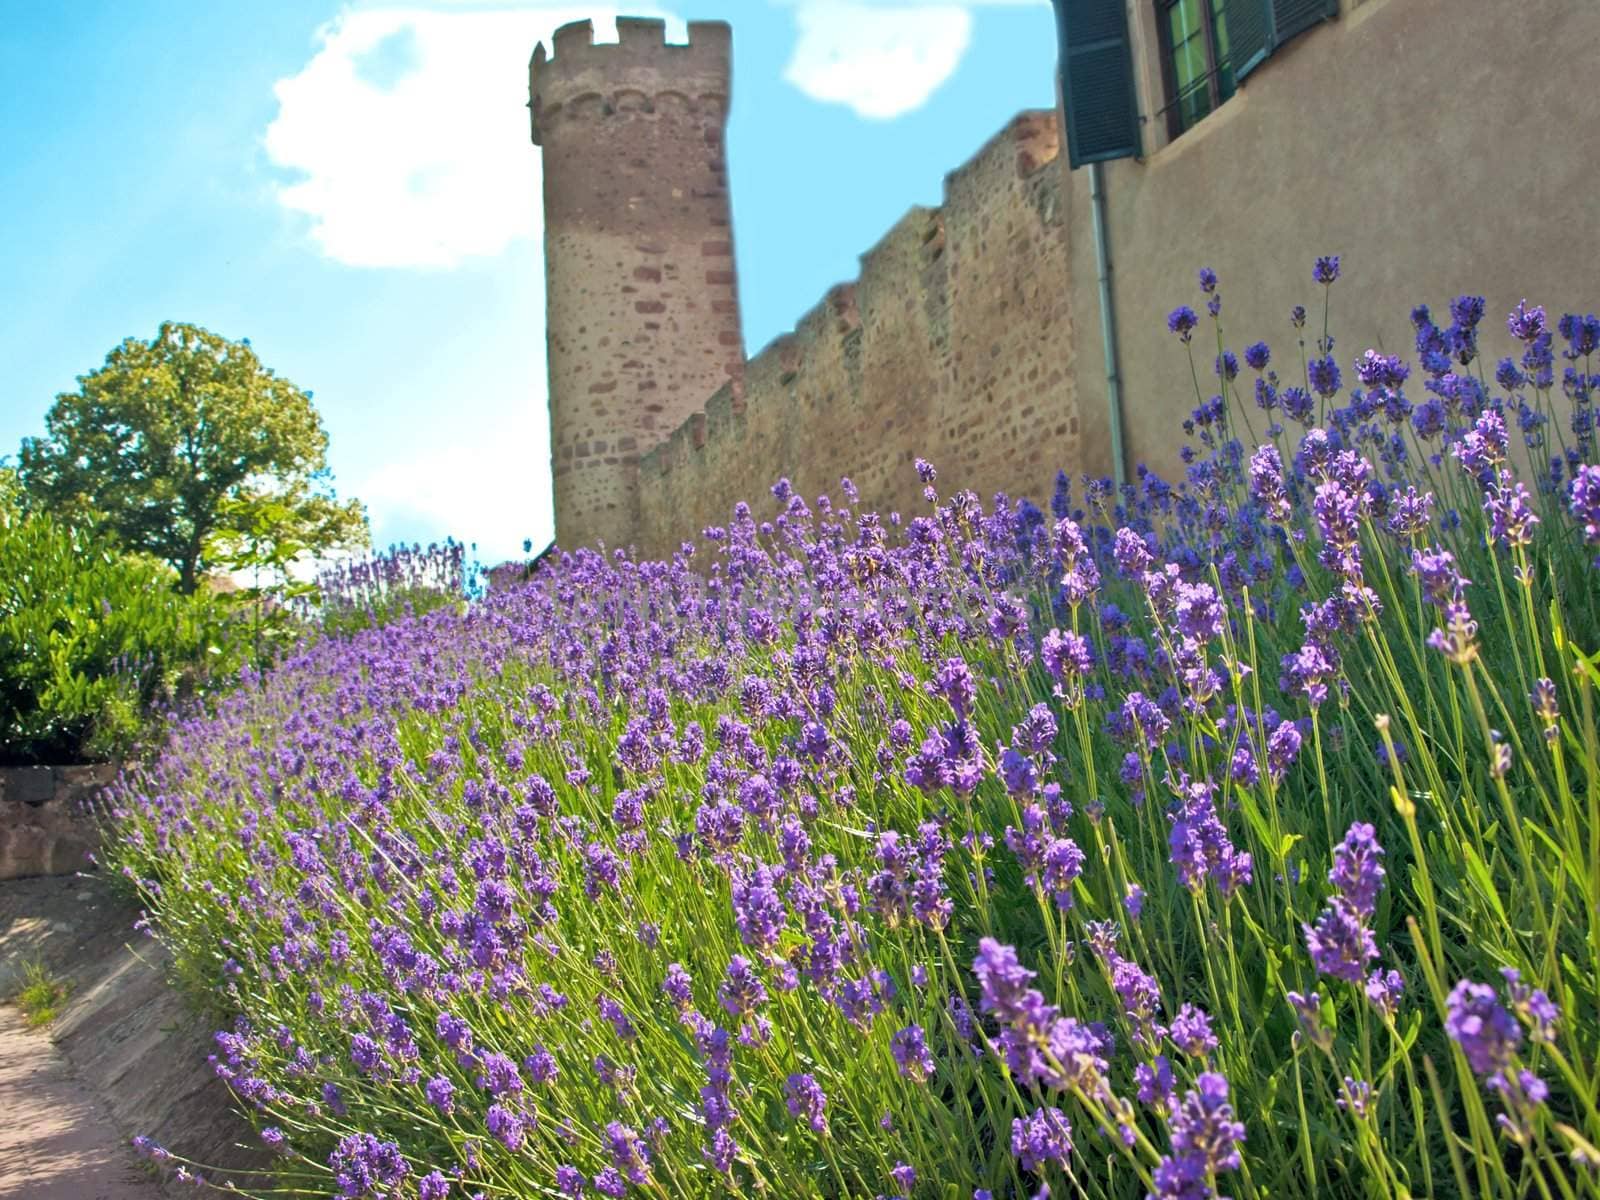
(494, 492)
(882, 58)
(407, 131)
(881, 62)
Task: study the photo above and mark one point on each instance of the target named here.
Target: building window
(1194, 60)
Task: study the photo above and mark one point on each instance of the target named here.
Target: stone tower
(642, 310)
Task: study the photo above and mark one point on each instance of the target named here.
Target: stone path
(57, 1141)
(125, 1055)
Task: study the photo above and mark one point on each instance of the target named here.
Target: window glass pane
(1219, 29)
(1183, 20)
(1187, 38)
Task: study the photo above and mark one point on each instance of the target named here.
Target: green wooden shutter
(1249, 34)
(1290, 17)
(1097, 80)
(1258, 27)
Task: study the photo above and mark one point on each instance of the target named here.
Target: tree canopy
(187, 448)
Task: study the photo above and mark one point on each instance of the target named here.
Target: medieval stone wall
(955, 344)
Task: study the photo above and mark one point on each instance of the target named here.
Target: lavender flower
(1340, 943)
(1584, 500)
(364, 1166)
(1384, 989)
(806, 1102)
(1044, 1136)
(741, 992)
(1182, 321)
(1358, 868)
(1205, 1141)
(629, 1154)
(1191, 1032)
(1487, 1034)
(1267, 484)
(911, 1054)
(1526, 324)
(1324, 375)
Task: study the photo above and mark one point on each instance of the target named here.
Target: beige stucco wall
(1439, 146)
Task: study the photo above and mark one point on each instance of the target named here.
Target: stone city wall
(955, 344)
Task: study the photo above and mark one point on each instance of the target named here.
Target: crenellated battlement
(640, 71)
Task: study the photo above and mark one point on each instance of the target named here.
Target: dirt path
(57, 1141)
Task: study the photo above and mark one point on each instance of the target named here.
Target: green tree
(179, 445)
(10, 490)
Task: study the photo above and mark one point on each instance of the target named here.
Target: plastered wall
(1439, 146)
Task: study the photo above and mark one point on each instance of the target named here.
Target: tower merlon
(640, 60)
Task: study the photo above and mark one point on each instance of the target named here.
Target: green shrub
(92, 640)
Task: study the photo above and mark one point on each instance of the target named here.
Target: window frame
(1172, 111)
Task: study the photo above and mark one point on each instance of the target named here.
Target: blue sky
(352, 188)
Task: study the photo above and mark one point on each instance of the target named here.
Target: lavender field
(1233, 836)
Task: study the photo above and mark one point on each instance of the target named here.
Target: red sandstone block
(716, 249)
(599, 389)
(728, 337)
(649, 306)
(647, 274)
(719, 276)
(724, 307)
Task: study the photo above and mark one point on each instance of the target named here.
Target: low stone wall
(45, 828)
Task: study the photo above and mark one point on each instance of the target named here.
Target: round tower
(641, 305)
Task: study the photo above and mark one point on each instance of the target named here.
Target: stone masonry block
(31, 785)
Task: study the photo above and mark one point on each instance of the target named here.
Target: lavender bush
(1237, 835)
(362, 593)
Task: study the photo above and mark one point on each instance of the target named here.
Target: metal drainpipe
(1108, 322)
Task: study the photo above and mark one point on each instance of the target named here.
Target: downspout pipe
(1108, 322)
